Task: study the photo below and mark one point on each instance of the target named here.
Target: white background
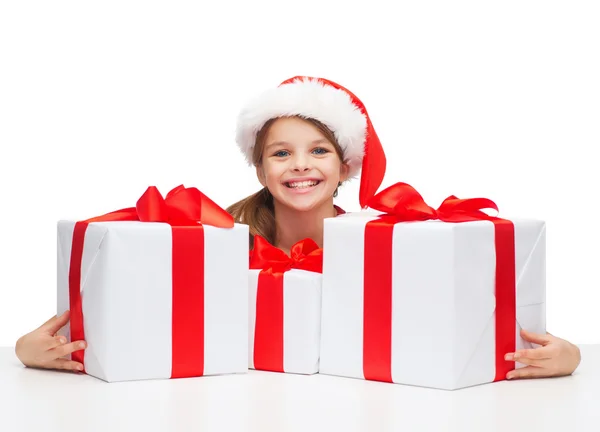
(98, 100)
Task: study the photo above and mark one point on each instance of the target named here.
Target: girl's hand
(555, 357)
(42, 348)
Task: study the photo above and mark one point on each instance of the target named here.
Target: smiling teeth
(303, 184)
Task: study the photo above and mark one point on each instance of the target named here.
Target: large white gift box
(156, 301)
(415, 302)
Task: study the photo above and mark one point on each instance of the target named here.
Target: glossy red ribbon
(273, 263)
(400, 203)
(186, 210)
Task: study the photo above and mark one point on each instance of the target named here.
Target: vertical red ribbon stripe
(268, 330)
(377, 309)
(506, 304)
(188, 302)
(75, 306)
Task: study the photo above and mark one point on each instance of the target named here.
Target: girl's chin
(305, 203)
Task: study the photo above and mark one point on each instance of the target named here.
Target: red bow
(304, 255)
(403, 203)
(182, 207)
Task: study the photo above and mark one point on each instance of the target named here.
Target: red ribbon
(273, 263)
(186, 210)
(401, 202)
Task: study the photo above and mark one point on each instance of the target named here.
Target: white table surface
(50, 401)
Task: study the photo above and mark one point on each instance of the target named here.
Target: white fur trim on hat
(308, 98)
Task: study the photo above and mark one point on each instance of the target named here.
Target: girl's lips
(301, 179)
(302, 190)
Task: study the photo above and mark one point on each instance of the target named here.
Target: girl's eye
(281, 153)
(321, 150)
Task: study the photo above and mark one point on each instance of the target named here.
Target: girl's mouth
(307, 184)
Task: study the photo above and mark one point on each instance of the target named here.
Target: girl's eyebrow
(275, 144)
(284, 143)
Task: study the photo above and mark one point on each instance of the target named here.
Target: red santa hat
(334, 106)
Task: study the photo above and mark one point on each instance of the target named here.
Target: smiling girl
(305, 138)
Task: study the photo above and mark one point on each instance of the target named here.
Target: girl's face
(300, 167)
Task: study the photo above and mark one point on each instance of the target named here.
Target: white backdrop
(100, 100)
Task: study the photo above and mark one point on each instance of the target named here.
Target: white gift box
(127, 299)
(443, 301)
(301, 321)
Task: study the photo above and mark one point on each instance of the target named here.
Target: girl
(305, 138)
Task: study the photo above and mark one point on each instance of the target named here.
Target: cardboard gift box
(158, 291)
(427, 297)
(284, 308)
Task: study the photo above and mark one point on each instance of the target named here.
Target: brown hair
(257, 210)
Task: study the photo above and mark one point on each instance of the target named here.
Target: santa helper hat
(334, 106)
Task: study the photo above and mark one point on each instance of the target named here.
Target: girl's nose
(301, 163)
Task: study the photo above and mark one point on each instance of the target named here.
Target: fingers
(55, 341)
(535, 338)
(66, 349)
(527, 372)
(55, 323)
(65, 364)
(530, 354)
(530, 361)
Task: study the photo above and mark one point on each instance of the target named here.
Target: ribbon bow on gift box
(273, 263)
(402, 203)
(181, 207)
(304, 255)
